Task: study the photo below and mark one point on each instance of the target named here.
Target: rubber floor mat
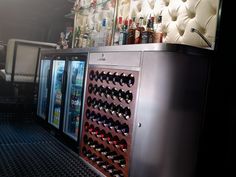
(27, 150)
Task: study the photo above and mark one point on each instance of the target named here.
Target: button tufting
(181, 32)
(174, 18)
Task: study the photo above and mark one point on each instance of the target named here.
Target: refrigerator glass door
(74, 95)
(56, 93)
(43, 88)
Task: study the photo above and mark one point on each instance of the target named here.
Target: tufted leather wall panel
(179, 16)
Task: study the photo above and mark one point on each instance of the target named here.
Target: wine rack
(108, 119)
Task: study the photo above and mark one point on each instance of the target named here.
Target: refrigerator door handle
(48, 79)
(63, 87)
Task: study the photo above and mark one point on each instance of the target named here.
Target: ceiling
(41, 20)
(33, 11)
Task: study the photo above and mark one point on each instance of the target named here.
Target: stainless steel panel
(169, 114)
(128, 59)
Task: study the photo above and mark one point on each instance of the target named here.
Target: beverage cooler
(143, 109)
(61, 91)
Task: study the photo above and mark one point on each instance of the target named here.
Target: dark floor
(28, 150)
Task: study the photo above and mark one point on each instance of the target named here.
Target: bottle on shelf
(123, 33)
(138, 32)
(131, 31)
(117, 31)
(158, 34)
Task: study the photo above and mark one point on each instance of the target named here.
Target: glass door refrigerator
(74, 96)
(56, 100)
(44, 86)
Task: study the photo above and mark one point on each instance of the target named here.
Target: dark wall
(40, 20)
(217, 152)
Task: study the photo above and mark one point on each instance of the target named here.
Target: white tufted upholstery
(26, 59)
(179, 16)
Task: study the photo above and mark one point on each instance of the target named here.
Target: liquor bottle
(131, 32)
(94, 103)
(100, 162)
(126, 113)
(107, 92)
(111, 123)
(128, 96)
(125, 130)
(111, 155)
(117, 173)
(121, 95)
(117, 31)
(99, 148)
(158, 34)
(89, 101)
(105, 151)
(96, 76)
(115, 78)
(102, 34)
(89, 141)
(95, 131)
(95, 89)
(91, 75)
(102, 120)
(110, 168)
(100, 104)
(115, 141)
(91, 128)
(90, 88)
(101, 134)
(119, 159)
(119, 110)
(106, 106)
(89, 154)
(112, 108)
(74, 74)
(87, 113)
(102, 76)
(92, 115)
(94, 158)
(93, 144)
(96, 117)
(101, 90)
(130, 80)
(123, 34)
(150, 29)
(107, 137)
(123, 145)
(118, 126)
(122, 79)
(86, 126)
(138, 32)
(109, 77)
(114, 93)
